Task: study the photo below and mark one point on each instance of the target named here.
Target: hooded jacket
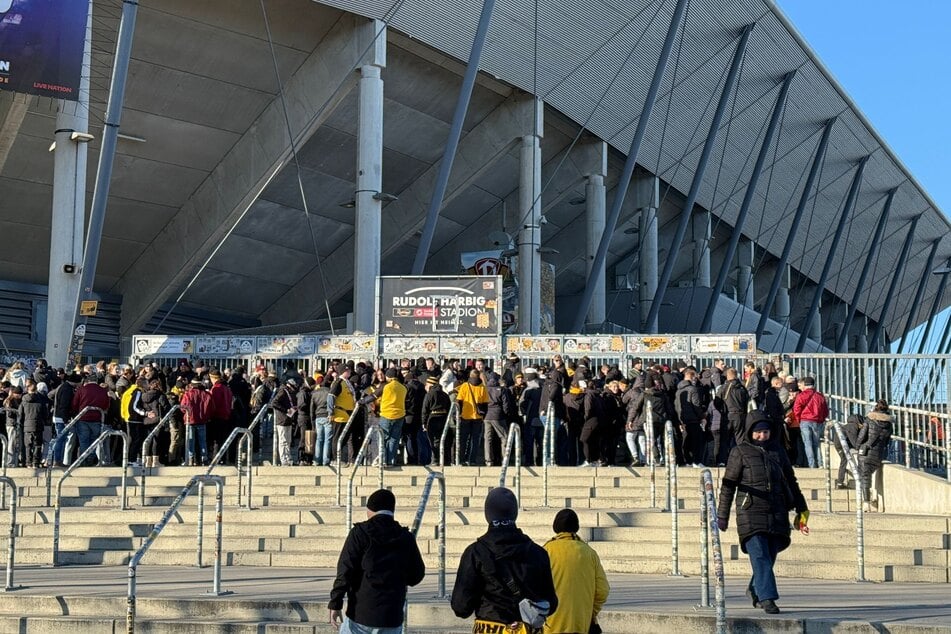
(34, 412)
(472, 399)
(763, 482)
(478, 591)
(580, 583)
(874, 438)
(501, 402)
(379, 560)
(689, 402)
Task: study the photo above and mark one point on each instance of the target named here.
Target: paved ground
(912, 604)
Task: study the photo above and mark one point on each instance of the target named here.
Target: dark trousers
(533, 435)
(496, 434)
(434, 429)
(591, 440)
(410, 436)
(694, 442)
(136, 437)
(34, 447)
(795, 440)
(737, 427)
(567, 445)
(470, 437)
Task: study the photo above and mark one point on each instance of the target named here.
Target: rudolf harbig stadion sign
(466, 305)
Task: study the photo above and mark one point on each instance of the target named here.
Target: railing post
(515, 434)
(668, 451)
(859, 501)
(450, 418)
(672, 501)
(704, 550)
(11, 539)
(649, 437)
(546, 449)
(155, 430)
(49, 451)
(199, 546)
(706, 478)
(353, 473)
(219, 510)
(947, 446)
(828, 468)
(3, 495)
(338, 455)
(440, 527)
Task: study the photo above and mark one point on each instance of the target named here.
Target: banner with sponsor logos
(470, 345)
(599, 344)
(226, 346)
(723, 344)
(347, 345)
(290, 347)
(658, 344)
(162, 345)
(463, 305)
(41, 46)
(533, 345)
(422, 346)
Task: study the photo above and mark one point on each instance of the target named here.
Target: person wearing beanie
(379, 560)
(436, 405)
(760, 470)
(472, 400)
(580, 582)
(504, 577)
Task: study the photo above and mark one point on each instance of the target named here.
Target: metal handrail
(338, 459)
(672, 503)
(158, 427)
(827, 433)
(3, 495)
(649, 441)
(440, 528)
(72, 467)
(11, 539)
(157, 529)
(247, 439)
(257, 419)
(65, 433)
(546, 449)
(708, 520)
(514, 435)
(452, 420)
(859, 499)
(356, 465)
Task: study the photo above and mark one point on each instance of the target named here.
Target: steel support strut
(896, 277)
(919, 294)
(747, 202)
(842, 344)
(767, 308)
(833, 251)
(452, 143)
(687, 211)
(935, 307)
(600, 257)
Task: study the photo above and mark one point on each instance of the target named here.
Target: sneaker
(769, 606)
(842, 485)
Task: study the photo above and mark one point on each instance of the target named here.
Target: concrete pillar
(701, 247)
(68, 221)
(366, 260)
(647, 192)
(530, 235)
(815, 330)
(744, 272)
(593, 159)
(781, 307)
(861, 337)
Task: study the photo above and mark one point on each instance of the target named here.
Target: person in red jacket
(220, 423)
(196, 403)
(91, 395)
(811, 410)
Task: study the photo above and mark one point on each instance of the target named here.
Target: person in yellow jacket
(472, 400)
(392, 413)
(580, 582)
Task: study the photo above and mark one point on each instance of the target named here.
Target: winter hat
(501, 507)
(381, 500)
(432, 381)
(42, 388)
(530, 372)
(760, 426)
(566, 521)
(391, 373)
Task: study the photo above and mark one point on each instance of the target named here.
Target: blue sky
(893, 59)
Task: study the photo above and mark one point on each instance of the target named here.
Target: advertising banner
(723, 344)
(658, 344)
(162, 345)
(465, 305)
(468, 346)
(525, 344)
(226, 346)
(400, 346)
(364, 345)
(603, 344)
(287, 347)
(41, 46)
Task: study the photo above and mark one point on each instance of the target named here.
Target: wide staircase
(296, 523)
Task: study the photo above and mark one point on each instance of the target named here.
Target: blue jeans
(196, 434)
(86, 434)
(392, 429)
(59, 445)
(762, 550)
(324, 439)
(812, 433)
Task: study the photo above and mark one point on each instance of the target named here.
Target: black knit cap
(381, 500)
(566, 521)
(501, 506)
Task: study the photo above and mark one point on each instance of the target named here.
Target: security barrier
(859, 500)
(3, 495)
(356, 465)
(440, 527)
(12, 536)
(338, 457)
(547, 443)
(651, 461)
(247, 442)
(452, 420)
(514, 435)
(710, 529)
(65, 434)
(672, 504)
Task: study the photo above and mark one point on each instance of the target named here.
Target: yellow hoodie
(393, 400)
(580, 583)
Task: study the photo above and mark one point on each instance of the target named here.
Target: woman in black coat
(873, 441)
(760, 470)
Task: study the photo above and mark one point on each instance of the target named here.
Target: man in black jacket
(504, 576)
(379, 560)
(690, 409)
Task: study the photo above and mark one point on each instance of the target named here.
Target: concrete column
(366, 259)
(596, 196)
(529, 234)
(744, 272)
(781, 308)
(701, 247)
(861, 337)
(647, 192)
(815, 330)
(68, 221)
